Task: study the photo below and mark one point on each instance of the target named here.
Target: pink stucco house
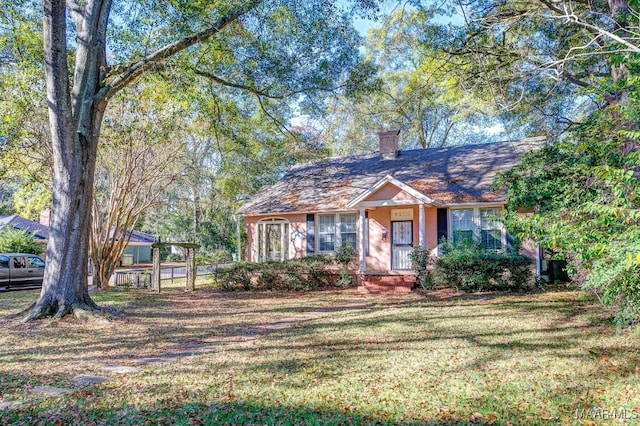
(384, 205)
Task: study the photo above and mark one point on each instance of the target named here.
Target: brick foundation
(386, 283)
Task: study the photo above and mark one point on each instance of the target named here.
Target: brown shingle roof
(457, 174)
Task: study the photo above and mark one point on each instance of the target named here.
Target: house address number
(402, 214)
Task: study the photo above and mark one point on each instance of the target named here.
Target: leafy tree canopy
(586, 194)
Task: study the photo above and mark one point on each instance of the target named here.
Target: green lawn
(414, 359)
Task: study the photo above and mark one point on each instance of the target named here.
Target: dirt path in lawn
(134, 361)
(211, 344)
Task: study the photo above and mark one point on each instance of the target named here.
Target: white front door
(401, 245)
(273, 243)
(273, 238)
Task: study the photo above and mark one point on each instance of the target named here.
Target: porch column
(283, 253)
(361, 241)
(538, 259)
(422, 227)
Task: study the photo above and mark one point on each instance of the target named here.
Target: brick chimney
(45, 217)
(389, 144)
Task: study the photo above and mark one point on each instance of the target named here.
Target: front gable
(390, 190)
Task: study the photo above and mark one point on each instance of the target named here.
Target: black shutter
(442, 224)
(511, 243)
(311, 234)
(366, 233)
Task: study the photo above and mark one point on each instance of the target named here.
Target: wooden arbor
(190, 260)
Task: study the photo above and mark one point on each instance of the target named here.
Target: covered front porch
(394, 219)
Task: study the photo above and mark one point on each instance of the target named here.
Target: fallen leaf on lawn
(475, 416)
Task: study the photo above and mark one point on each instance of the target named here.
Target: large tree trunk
(75, 118)
(65, 282)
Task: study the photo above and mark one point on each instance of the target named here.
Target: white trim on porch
(401, 185)
(391, 203)
(422, 227)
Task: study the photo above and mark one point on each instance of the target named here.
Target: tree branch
(148, 62)
(572, 17)
(573, 79)
(223, 82)
(263, 93)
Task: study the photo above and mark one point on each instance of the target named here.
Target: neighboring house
(384, 204)
(38, 230)
(137, 251)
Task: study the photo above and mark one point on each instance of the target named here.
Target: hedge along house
(384, 205)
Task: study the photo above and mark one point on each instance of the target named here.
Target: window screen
(327, 233)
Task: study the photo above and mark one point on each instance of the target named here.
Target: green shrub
(18, 241)
(345, 255)
(423, 264)
(308, 273)
(617, 281)
(269, 277)
(318, 272)
(468, 267)
(235, 277)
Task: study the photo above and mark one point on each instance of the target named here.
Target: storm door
(401, 244)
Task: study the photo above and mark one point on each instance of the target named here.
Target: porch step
(386, 284)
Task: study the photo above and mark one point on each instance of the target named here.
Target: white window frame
(473, 229)
(337, 230)
(477, 224)
(492, 225)
(261, 243)
(340, 231)
(320, 234)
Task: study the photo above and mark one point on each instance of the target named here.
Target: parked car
(20, 270)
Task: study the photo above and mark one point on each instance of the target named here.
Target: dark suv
(20, 270)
